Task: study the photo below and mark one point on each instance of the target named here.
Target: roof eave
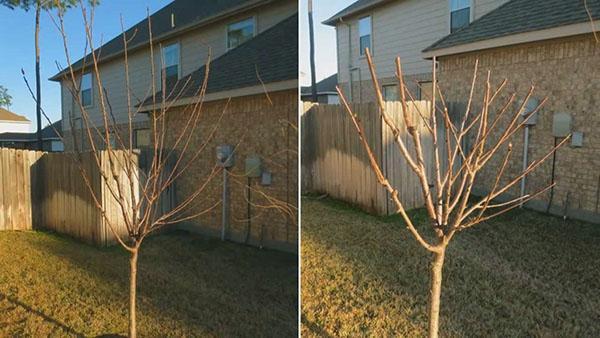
(512, 39)
(221, 16)
(334, 20)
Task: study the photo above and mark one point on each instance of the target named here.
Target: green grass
(523, 274)
(188, 286)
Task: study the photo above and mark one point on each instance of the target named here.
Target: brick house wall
(567, 71)
(256, 126)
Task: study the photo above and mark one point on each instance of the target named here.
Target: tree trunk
(435, 293)
(132, 293)
(38, 82)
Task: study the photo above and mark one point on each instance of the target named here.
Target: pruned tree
(448, 201)
(5, 98)
(138, 196)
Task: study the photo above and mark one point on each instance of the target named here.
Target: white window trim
(162, 59)
(471, 14)
(254, 26)
(91, 90)
(371, 49)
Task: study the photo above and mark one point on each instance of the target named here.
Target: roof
(271, 56)
(6, 115)
(326, 85)
(355, 8)
(521, 16)
(48, 133)
(188, 14)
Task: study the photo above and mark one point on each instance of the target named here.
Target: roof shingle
(521, 16)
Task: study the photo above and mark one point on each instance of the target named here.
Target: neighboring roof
(48, 133)
(355, 8)
(6, 115)
(271, 56)
(521, 16)
(325, 86)
(188, 14)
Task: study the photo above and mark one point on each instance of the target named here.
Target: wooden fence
(334, 160)
(47, 190)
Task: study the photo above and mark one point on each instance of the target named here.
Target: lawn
(524, 274)
(188, 286)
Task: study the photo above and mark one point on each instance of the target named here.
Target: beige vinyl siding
(194, 48)
(400, 28)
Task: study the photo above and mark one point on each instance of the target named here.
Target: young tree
(39, 5)
(5, 98)
(447, 202)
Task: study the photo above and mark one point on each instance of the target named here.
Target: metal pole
(313, 75)
(225, 211)
(525, 162)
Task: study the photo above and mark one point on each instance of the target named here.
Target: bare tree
(171, 152)
(447, 200)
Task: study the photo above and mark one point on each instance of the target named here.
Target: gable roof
(6, 115)
(326, 85)
(521, 16)
(188, 14)
(271, 56)
(355, 8)
(48, 133)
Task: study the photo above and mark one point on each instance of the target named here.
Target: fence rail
(335, 162)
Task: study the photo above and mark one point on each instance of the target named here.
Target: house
(326, 91)
(391, 28)
(13, 123)
(551, 44)
(51, 139)
(253, 45)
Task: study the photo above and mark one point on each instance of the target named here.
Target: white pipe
(525, 161)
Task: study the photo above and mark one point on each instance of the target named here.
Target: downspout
(350, 68)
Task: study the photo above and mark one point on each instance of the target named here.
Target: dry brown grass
(188, 286)
(523, 274)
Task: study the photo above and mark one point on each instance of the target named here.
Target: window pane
(365, 42)
(364, 26)
(86, 97)
(142, 138)
(171, 55)
(459, 4)
(426, 91)
(459, 19)
(390, 93)
(240, 32)
(86, 81)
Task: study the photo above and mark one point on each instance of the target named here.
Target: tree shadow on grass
(188, 285)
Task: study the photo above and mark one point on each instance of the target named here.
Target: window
(240, 32)
(460, 14)
(364, 33)
(171, 65)
(426, 90)
(390, 93)
(142, 138)
(86, 89)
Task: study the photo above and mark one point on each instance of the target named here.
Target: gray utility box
(529, 108)
(253, 166)
(577, 139)
(225, 156)
(561, 125)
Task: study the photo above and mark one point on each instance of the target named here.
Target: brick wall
(567, 71)
(254, 126)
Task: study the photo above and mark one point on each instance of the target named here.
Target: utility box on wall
(253, 166)
(225, 156)
(561, 125)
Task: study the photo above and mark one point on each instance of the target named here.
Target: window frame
(254, 30)
(395, 86)
(361, 52)
(163, 58)
(136, 138)
(450, 11)
(91, 89)
(420, 87)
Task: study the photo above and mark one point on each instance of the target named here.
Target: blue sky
(325, 44)
(18, 48)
